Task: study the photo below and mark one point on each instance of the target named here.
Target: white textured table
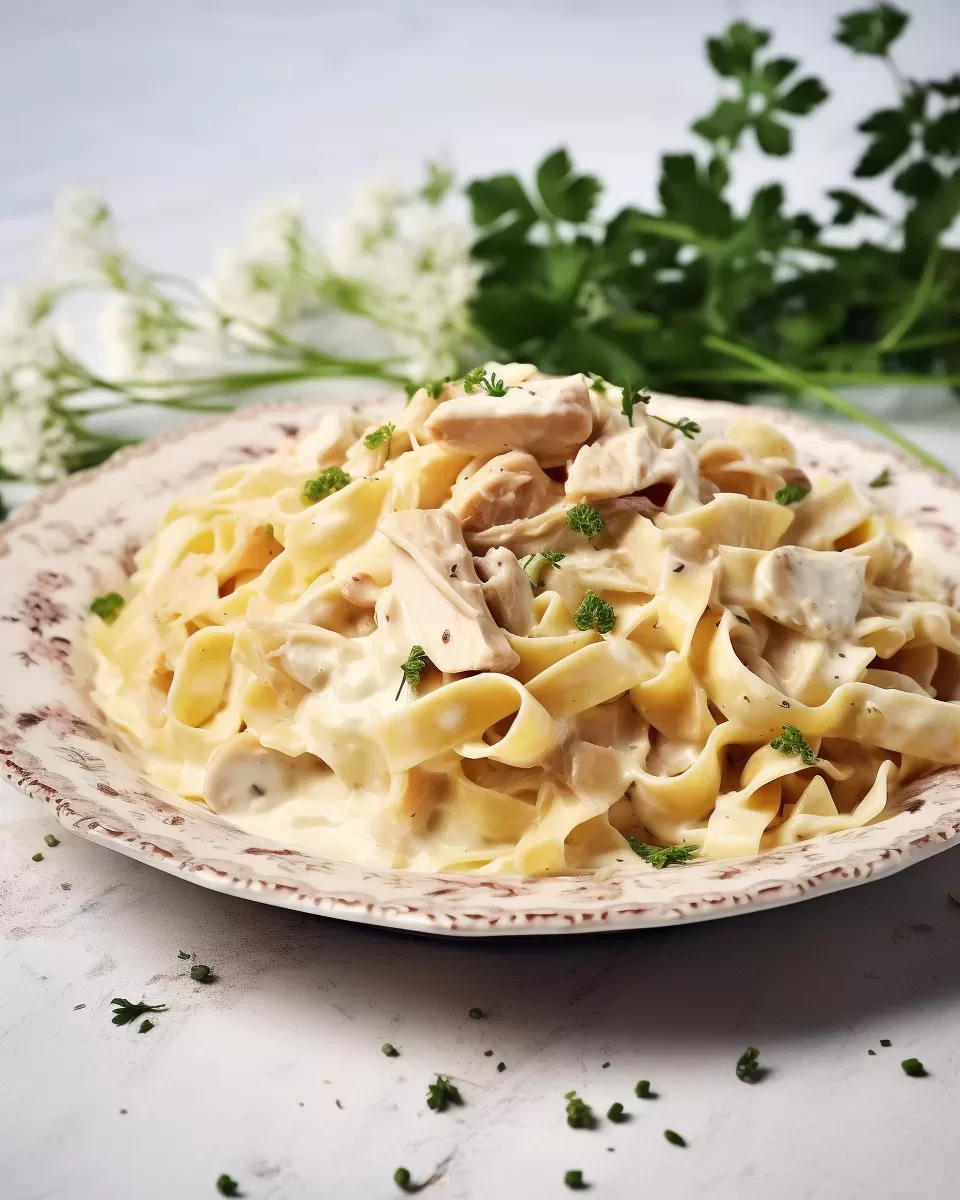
(184, 116)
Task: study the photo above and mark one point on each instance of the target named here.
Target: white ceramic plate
(76, 540)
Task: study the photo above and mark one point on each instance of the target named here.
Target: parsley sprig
(633, 396)
(442, 1093)
(748, 1065)
(595, 613)
(476, 379)
(585, 519)
(884, 479)
(661, 856)
(107, 607)
(579, 1113)
(378, 436)
(792, 493)
(125, 1012)
(412, 669)
(792, 741)
(330, 480)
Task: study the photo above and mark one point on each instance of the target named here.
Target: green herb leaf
(440, 180)
(579, 1113)
(125, 1011)
(535, 564)
(872, 30)
(51, 840)
(616, 1114)
(38, 857)
(674, 1138)
(330, 480)
(575, 1181)
(442, 1093)
(146, 1026)
(913, 1067)
(389, 1050)
(182, 954)
(643, 1090)
(803, 97)
(792, 741)
(595, 613)
(202, 973)
(107, 607)
(850, 206)
(662, 856)
(791, 494)
(474, 379)
(772, 137)
(413, 668)
(403, 1180)
(884, 479)
(748, 1065)
(565, 194)
(268, 530)
(493, 385)
(378, 436)
(585, 519)
(227, 1186)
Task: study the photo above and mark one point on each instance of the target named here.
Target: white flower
(140, 333)
(33, 439)
(84, 248)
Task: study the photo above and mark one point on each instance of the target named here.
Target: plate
(77, 539)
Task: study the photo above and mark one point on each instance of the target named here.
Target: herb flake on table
(885, 1042)
(501, 1067)
(146, 1026)
(125, 1011)
(792, 741)
(378, 436)
(643, 1090)
(674, 1138)
(575, 1181)
(330, 480)
(442, 1093)
(201, 973)
(389, 1050)
(183, 954)
(579, 1113)
(884, 479)
(476, 1014)
(913, 1067)
(585, 519)
(51, 840)
(659, 857)
(107, 607)
(38, 857)
(595, 613)
(227, 1186)
(404, 1181)
(748, 1065)
(616, 1114)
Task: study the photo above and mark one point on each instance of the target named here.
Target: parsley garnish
(476, 1014)
(595, 613)
(579, 1113)
(688, 428)
(501, 1066)
(884, 479)
(792, 741)
(598, 383)
(378, 436)
(791, 494)
(51, 840)
(330, 479)
(575, 1181)
(473, 379)
(631, 398)
(584, 518)
(146, 1026)
(643, 1090)
(885, 1042)
(494, 386)
(402, 1178)
(913, 1067)
(227, 1186)
(107, 607)
(389, 1050)
(748, 1065)
(182, 954)
(125, 1012)
(661, 856)
(413, 668)
(616, 1114)
(435, 389)
(202, 974)
(674, 1138)
(38, 857)
(442, 1093)
(534, 564)
(268, 530)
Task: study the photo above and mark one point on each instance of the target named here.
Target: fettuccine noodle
(514, 628)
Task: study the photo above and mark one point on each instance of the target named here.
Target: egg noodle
(516, 626)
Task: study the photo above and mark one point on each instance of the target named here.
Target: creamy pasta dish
(530, 626)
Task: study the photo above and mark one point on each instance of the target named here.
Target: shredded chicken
(628, 462)
(434, 575)
(549, 418)
(361, 590)
(506, 589)
(507, 488)
(243, 775)
(817, 592)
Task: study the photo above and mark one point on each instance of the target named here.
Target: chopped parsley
(674, 1138)
(595, 613)
(575, 1181)
(913, 1067)
(107, 607)
(661, 856)
(183, 954)
(202, 973)
(403, 1180)
(330, 480)
(643, 1090)
(616, 1114)
(125, 1012)
(51, 840)
(534, 564)
(579, 1113)
(791, 494)
(413, 668)
(792, 741)
(631, 398)
(501, 1066)
(389, 1050)
(435, 389)
(885, 1042)
(146, 1026)
(227, 1186)
(688, 428)
(598, 383)
(38, 857)
(494, 386)
(748, 1065)
(476, 1014)
(473, 379)
(268, 530)
(584, 518)
(884, 479)
(378, 436)
(442, 1094)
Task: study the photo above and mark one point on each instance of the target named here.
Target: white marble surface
(184, 115)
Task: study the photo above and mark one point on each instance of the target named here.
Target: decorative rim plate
(77, 539)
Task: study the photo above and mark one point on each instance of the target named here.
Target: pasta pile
(527, 621)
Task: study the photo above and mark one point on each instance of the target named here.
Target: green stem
(827, 378)
(797, 382)
(921, 341)
(915, 305)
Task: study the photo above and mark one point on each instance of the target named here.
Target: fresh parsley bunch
(698, 295)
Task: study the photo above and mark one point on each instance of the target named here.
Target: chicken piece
(506, 589)
(434, 575)
(361, 590)
(817, 592)
(628, 462)
(243, 776)
(549, 418)
(507, 488)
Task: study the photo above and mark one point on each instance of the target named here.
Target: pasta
(524, 622)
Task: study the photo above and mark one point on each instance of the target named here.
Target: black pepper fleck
(445, 636)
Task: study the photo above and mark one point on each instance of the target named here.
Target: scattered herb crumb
(107, 607)
(659, 857)
(748, 1065)
(575, 1181)
(476, 1014)
(643, 1090)
(579, 1113)
(330, 480)
(585, 519)
(389, 1050)
(268, 530)
(38, 857)
(488, 1054)
(442, 1093)
(501, 1066)
(616, 1114)
(183, 954)
(378, 436)
(126, 1012)
(401, 1177)
(603, 1066)
(873, 1052)
(51, 840)
(123, 1112)
(884, 479)
(913, 1067)
(227, 1186)
(955, 897)
(202, 973)
(885, 1042)
(792, 741)
(146, 1026)
(66, 886)
(338, 1104)
(674, 1138)
(77, 1007)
